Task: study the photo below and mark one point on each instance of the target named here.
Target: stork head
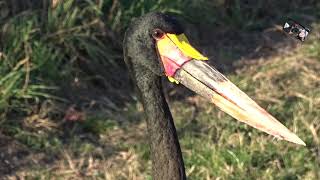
(140, 39)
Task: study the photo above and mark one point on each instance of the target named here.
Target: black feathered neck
(144, 66)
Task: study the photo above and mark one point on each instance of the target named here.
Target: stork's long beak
(182, 63)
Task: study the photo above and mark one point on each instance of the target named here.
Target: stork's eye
(157, 34)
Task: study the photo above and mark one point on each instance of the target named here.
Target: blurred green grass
(44, 56)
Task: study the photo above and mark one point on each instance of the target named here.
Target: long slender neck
(165, 149)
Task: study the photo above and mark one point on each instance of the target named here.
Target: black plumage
(146, 70)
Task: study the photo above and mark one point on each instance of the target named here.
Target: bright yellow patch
(183, 44)
(171, 79)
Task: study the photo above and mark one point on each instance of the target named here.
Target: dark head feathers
(139, 46)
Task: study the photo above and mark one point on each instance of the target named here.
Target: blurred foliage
(41, 51)
(49, 54)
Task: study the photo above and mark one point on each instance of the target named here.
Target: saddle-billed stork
(154, 46)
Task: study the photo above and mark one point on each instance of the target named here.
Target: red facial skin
(171, 56)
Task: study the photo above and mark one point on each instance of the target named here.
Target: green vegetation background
(66, 60)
